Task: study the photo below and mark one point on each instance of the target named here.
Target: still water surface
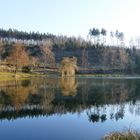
(68, 109)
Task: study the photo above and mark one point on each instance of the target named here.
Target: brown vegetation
(46, 54)
(47, 57)
(68, 86)
(68, 66)
(128, 135)
(18, 57)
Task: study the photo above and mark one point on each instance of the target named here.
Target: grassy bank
(127, 135)
(19, 75)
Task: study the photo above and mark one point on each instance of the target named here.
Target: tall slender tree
(121, 38)
(47, 55)
(1, 48)
(85, 62)
(117, 36)
(95, 33)
(137, 40)
(103, 33)
(112, 38)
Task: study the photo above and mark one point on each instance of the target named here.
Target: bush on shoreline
(127, 135)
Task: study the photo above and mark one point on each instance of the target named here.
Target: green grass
(4, 76)
(127, 135)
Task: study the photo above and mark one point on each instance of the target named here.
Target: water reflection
(68, 86)
(102, 99)
(100, 114)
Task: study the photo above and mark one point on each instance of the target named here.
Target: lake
(68, 108)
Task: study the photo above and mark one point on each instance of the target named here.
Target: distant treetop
(23, 35)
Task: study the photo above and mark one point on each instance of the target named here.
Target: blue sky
(71, 17)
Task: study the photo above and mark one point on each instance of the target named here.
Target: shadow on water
(49, 96)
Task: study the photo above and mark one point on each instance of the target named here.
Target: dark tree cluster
(12, 33)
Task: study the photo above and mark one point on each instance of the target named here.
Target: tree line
(23, 35)
(50, 51)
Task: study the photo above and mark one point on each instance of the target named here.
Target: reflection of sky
(68, 126)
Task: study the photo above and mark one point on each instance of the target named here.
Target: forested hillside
(21, 49)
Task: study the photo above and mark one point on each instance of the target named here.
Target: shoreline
(4, 76)
(109, 76)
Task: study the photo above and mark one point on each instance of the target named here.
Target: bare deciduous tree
(85, 62)
(18, 57)
(47, 55)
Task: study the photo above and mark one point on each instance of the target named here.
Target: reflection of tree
(68, 86)
(96, 115)
(42, 96)
(94, 118)
(97, 118)
(17, 93)
(48, 97)
(134, 108)
(84, 90)
(119, 114)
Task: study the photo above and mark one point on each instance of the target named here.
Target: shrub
(128, 135)
(26, 69)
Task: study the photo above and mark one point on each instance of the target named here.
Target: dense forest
(22, 51)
